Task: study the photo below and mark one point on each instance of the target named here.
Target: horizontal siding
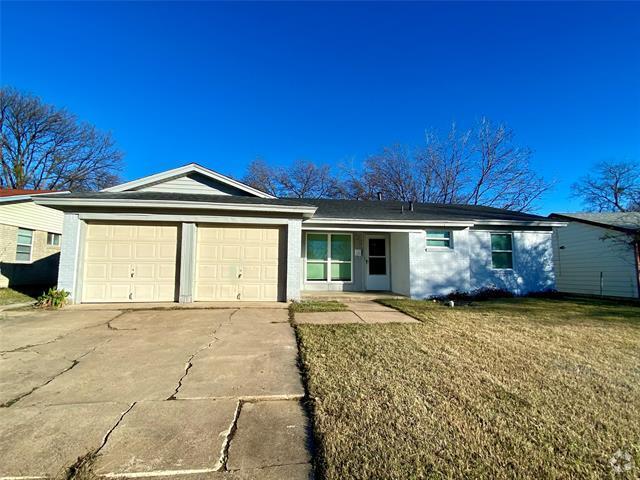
(31, 216)
(586, 255)
(194, 184)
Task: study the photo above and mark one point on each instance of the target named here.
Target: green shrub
(52, 298)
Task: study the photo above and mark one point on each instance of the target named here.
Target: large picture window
(329, 257)
(502, 251)
(23, 245)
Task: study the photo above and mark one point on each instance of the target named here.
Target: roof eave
(428, 223)
(305, 211)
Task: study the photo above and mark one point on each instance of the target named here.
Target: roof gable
(191, 178)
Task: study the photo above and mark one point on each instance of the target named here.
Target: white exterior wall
(31, 216)
(69, 254)
(294, 256)
(532, 262)
(400, 263)
(586, 255)
(437, 270)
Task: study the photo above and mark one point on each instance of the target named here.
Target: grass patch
(515, 388)
(307, 306)
(10, 296)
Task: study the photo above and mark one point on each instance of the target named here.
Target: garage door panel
(123, 232)
(231, 252)
(121, 250)
(130, 263)
(271, 253)
(237, 263)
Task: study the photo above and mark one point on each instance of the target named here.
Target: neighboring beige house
(30, 237)
(597, 253)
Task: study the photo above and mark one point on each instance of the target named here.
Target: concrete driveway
(208, 393)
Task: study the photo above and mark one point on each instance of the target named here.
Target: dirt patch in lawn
(502, 392)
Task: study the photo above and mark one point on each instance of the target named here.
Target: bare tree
(303, 179)
(501, 174)
(612, 187)
(482, 166)
(261, 176)
(44, 147)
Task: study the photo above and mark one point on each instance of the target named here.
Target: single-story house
(192, 234)
(598, 253)
(29, 239)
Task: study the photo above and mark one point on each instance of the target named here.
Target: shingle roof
(336, 209)
(392, 210)
(184, 197)
(629, 221)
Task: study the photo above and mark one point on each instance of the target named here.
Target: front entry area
(376, 250)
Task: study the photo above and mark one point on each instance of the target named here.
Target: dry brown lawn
(517, 388)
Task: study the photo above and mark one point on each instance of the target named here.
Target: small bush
(52, 299)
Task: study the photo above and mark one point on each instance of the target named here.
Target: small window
(502, 251)
(23, 246)
(439, 238)
(53, 239)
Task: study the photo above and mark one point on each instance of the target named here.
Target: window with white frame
(329, 257)
(501, 251)
(24, 245)
(53, 239)
(439, 238)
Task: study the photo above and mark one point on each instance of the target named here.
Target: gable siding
(194, 183)
(586, 255)
(31, 216)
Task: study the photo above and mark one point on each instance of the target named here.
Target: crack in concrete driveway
(222, 401)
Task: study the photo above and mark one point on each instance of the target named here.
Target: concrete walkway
(187, 393)
(365, 311)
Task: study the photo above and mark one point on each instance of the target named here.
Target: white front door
(376, 255)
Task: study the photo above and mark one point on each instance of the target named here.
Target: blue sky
(222, 83)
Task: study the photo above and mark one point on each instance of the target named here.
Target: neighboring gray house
(191, 234)
(597, 253)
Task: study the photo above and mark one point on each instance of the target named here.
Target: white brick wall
(67, 274)
(468, 265)
(294, 259)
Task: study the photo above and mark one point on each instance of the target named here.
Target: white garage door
(237, 263)
(130, 263)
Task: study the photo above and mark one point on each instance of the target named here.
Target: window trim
(501, 251)
(30, 245)
(328, 262)
(435, 247)
(55, 235)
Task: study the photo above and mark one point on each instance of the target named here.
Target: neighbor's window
(23, 247)
(501, 250)
(328, 257)
(439, 238)
(53, 239)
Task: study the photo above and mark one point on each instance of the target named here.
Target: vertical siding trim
(293, 262)
(187, 262)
